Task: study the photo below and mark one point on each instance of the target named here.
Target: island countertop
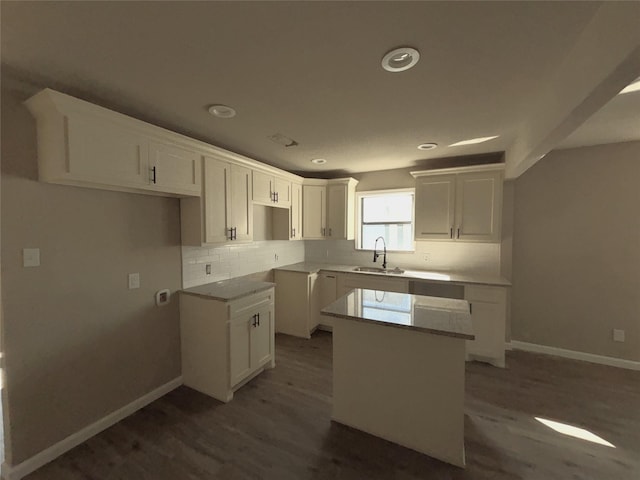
(227, 290)
(439, 316)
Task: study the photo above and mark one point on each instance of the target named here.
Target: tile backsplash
(237, 260)
(229, 261)
(448, 256)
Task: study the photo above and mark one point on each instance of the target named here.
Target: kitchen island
(398, 369)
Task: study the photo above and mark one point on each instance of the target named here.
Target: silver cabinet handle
(451, 232)
(153, 178)
(458, 233)
(470, 308)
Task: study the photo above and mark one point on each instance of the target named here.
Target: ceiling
(311, 71)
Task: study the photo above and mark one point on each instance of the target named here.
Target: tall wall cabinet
(224, 211)
(459, 204)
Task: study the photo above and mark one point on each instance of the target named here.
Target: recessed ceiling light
(632, 87)
(319, 161)
(400, 59)
(222, 111)
(473, 141)
(427, 146)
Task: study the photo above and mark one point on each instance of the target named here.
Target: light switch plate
(618, 335)
(134, 281)
(30, 257)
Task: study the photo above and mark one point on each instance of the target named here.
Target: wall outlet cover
(134, 281)
(618, 335)
(30, 257)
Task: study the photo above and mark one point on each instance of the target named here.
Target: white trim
(585, 357)
(30, 465)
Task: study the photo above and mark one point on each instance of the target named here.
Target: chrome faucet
(376, 254)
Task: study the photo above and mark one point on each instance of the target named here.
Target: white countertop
(439, 316)
(226, 290)
(432, 276)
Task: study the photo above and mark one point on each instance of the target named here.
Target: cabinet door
(282, 188)
(313, 211)
(488, 318)
(337, 211)
(240, 203)
(174, 169)
(295, 212)
(478, 206)
(239, 348)
(215, 200)
(435, 197)
(261, 337)
(262, 189)
(99, 151)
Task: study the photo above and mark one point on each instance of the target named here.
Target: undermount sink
(396, 270)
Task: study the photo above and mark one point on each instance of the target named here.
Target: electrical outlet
(618, 335)
(207, 269)
(30, 257)
(427, 257)
(134, 281)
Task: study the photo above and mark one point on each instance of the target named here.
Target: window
(388, 214)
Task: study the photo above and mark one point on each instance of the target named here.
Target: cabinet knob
(153, 177)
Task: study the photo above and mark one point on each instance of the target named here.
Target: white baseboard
(17, 472)
(586, 357)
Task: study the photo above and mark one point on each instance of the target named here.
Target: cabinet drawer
(485, 294)
(250, 303)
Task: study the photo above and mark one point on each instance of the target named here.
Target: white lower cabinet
(225, 344)
(488, 306)
(296, 302)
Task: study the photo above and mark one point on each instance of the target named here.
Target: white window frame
(372, 193)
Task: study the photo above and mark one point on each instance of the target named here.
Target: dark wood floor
(278, 427)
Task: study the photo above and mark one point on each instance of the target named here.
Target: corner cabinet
(86, 145)
(226, 344)
(314, 212)
(224, 212)
(328, 209)
(459, 204)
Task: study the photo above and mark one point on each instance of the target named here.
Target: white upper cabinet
(435, 207)
(462, 204)
(271, 190)
(239, 204)
(314, 211)
(87, 145)
(328, 209)
(98, 151)
(216, 192)
(224, 212)
(295, 212)
(174, 169)
(479, 206)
